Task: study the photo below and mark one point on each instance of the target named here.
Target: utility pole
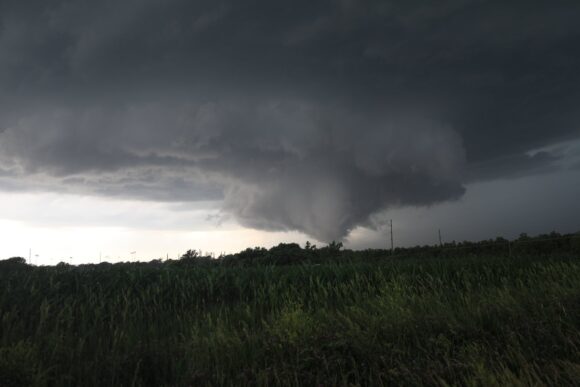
(30, 256)
(392, 245)
(440, 241)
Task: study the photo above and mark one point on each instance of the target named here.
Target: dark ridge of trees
(14, 263)
(293, 254)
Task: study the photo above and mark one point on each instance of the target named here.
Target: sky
(138, 129)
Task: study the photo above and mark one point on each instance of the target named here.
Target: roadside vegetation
(291, 315)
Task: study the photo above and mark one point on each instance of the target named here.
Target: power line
(392, 244)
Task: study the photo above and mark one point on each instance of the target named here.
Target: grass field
(442, 321)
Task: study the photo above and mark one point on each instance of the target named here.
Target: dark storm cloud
(306, 115)
(514, 166)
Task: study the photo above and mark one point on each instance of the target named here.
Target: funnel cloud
(310, 116)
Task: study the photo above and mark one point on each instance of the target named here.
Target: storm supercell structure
(304, 115)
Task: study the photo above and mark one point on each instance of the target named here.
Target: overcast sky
(161, 125)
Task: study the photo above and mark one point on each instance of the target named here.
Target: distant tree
(286, 253)
(309, 246)
(15, 263)
(330, 251)
(334, 246)
(190, 254)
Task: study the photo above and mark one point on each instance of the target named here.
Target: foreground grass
(475, 321)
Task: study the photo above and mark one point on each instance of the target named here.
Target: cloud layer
(307, 116)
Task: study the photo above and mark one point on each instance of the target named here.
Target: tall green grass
(447, 321)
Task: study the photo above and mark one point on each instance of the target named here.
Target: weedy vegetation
(296, 316)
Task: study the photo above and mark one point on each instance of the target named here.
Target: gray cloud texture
(304, 115)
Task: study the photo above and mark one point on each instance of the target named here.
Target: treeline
(292, 253)
(553, 243)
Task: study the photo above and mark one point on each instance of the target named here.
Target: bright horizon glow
(59, 226)
(115, 244)
(56, 227)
